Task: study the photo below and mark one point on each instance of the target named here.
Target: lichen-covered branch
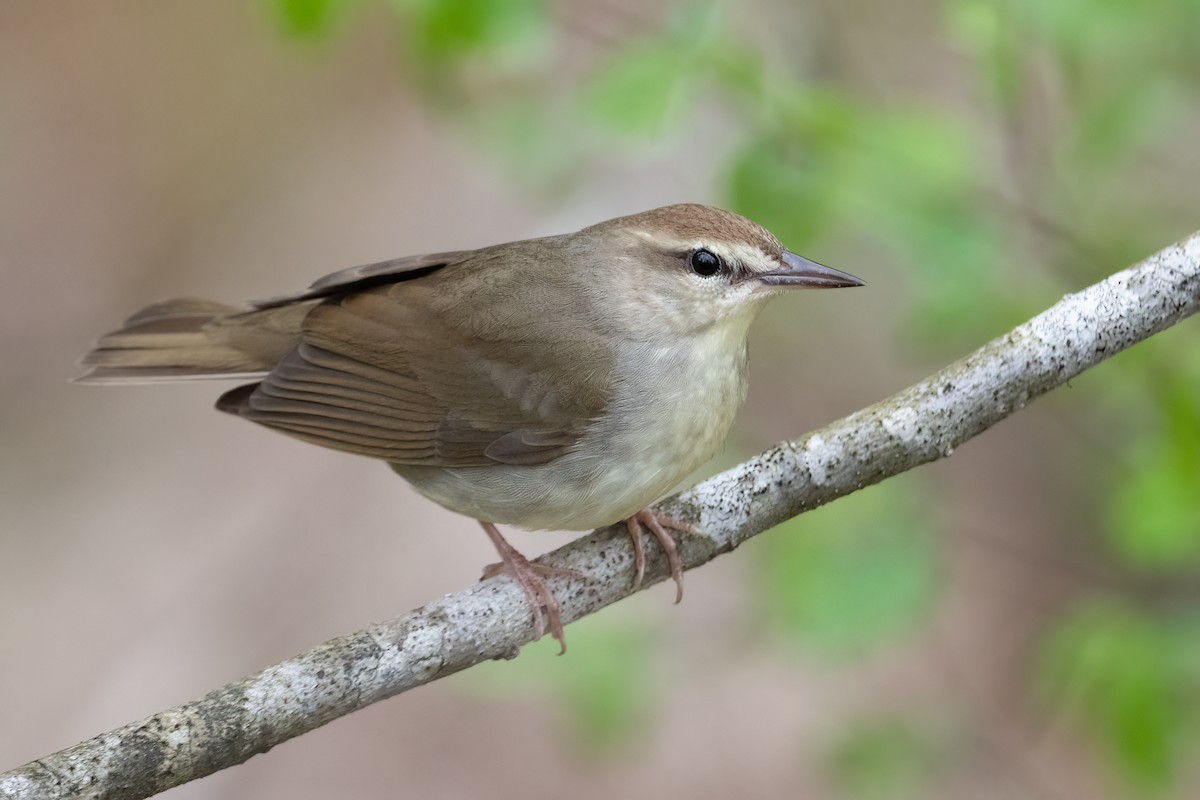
(491, 619)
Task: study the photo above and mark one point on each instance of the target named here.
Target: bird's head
(690, 267)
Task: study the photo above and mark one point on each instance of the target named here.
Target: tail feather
(192, 339)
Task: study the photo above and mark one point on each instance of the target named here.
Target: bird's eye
(705, 262)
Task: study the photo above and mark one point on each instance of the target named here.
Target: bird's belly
(653, 437)
(567, 494)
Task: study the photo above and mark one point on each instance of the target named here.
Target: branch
(491, 619)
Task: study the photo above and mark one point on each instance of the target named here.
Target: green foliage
(1129, 677)
(640, 92)
(446, 29)
(852, 576)
(1153, 515)
(644, 88)
(882, 759)
(780, 185)
(1124, 68)
(311, 19)
(982, 28)
(604, 691)
(906, 177)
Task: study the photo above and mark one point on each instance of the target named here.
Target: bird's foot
(531, 577)
(648, 519)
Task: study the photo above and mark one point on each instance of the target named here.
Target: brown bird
(564, 383)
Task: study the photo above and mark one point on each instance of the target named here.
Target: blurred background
(1019, 621)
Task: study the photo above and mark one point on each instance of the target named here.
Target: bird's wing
(368, 275)
(404, 372)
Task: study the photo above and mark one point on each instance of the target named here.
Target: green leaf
(1130, 113)
(1153, 517)
(647, 87)
(990, 32)
(882, 759)
(641, 91)
(311, 19)
(850, 577)
(798, 178)
(782, 189)
(443, 29)
(608, 694)
(1103, 26)
(1120, 672)
(1154, 512)
(914, 179)
(605, 688)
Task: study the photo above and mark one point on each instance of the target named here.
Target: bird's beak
(801, 273)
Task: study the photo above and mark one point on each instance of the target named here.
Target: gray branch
(491, 620)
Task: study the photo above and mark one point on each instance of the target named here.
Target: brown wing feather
(399, 372)
(368, 275)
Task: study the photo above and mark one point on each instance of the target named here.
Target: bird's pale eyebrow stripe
(744, 254)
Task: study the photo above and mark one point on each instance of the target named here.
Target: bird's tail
(188, 339)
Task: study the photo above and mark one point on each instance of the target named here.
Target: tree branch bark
(491, 620)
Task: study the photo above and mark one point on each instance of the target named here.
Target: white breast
(673, 419)
(671, 410)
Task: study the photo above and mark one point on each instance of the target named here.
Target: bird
(566, 382)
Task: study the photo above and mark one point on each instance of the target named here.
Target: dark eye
(704, 262)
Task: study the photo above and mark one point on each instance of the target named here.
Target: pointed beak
(798, 272)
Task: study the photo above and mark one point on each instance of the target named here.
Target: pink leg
(531, 578)
(656, 523)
